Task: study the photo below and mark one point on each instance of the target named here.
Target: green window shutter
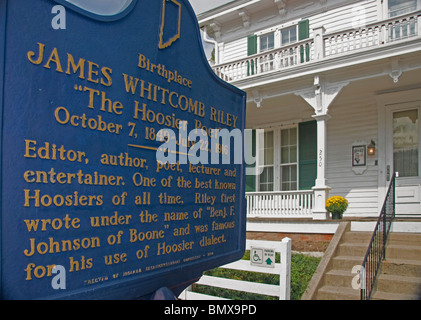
(251, 49)
(303, 29)
(307, 155)
(304, 33)
(252, 45)
(251, 180)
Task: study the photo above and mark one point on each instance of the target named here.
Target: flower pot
(336, 215)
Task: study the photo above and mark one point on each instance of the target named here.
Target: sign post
(122, 152)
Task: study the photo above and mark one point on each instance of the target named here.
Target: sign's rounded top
(105, 10)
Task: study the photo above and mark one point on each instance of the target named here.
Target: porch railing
(376, 252)
(276, 59)
(373, 35)
(323, 46)
(284, 204)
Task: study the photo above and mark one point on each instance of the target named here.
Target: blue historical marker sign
(118, 168)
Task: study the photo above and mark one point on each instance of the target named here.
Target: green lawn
(302, 270)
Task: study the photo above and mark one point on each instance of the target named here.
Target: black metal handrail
(376, 252)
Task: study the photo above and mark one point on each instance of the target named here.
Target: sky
(109, 7)
(104, 7)
(200, 6)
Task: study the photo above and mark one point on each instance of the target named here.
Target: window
(266, 159)
(278, 160)
(405, 143)
(267, 42)
(288, 163)
(287, 159)
(400, 7)
(288, 35)
(403, 28)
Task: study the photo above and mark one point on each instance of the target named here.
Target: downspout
(211, 41)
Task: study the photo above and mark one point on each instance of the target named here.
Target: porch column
(321, 190)
(320, 97)
(319, 44)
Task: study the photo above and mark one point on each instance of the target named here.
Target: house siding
(234, 50)
(361, 190)
(345, 17)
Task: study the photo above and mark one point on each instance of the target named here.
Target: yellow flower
(336, 204)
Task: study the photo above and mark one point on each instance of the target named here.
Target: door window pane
(405, 143)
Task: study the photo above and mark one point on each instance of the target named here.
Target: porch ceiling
(287, 108)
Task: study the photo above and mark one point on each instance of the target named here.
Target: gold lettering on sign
(90, 207)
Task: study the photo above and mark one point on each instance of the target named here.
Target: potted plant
(336, 205)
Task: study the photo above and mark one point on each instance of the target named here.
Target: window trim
(386, 13)
(402, 108)
(295, 25)
(260, 167)
(259, 43)
(397, 15)
(289, 164)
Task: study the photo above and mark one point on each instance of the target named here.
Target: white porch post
(321, 190)
(419, 25)
(320, 97)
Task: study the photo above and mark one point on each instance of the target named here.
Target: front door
(403, 146)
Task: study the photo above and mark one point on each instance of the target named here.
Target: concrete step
(400, 274)
(357, 237)
(346, 262)
(399, 267)
(404, 238)
(353, 249)
(379, 295)
(337, 293)
(403, 251)
(398, 284)
(339, 278)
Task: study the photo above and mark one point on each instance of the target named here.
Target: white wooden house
(326, 79)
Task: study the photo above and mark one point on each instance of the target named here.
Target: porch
(280, 204)
(261, 74)
(382, 34)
